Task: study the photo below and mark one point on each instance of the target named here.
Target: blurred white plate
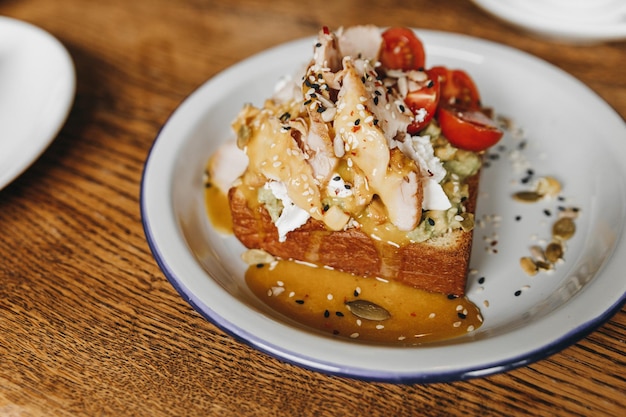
(583, 146)
(37, 87)
(579, 21)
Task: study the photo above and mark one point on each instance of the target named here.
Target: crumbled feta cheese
(337, 187)
(421, 151)
(291, 216)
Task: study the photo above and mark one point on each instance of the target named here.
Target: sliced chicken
(283, 161)
(360, 42)
(326, 53)
(395, 181)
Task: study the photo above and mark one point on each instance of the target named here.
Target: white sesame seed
(432, 315)
(457, 324)
(329, 297)
(380, 326)
(354, 335)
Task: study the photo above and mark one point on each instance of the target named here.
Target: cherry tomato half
(471, 130)
(457, 88)
(402, 50)
(423, 103)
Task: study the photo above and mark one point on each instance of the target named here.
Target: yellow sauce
(216, 203)
(317, 297)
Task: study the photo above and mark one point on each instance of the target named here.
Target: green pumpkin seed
(367, 310)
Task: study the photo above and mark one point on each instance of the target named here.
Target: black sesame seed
(285, 116)
(518, 293)
(375, 122)
(326, 207)
(431, 221)
(452, 297)
(347, 186)
(259, 265)
(402, 108)
(317, 45)
(336, 178)
(356, 293)
(430, 84)
(547, 212)
(378, 93)
(481, 280)
(462, 316)
(376, 100)
(357, 122)
(518, 218)
(338, 313)
(326, 313)
(300, 302)
(321, 109)
(306, 103)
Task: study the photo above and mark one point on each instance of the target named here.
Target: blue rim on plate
(556, 309)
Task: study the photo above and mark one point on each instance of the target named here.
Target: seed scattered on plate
(527, 196)
(367, 310)
(564, 228)
(554, 252)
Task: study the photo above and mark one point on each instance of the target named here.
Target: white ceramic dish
(37, 87)
(582, 146)
(578, 21)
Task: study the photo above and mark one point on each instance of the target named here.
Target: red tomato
(457, 88)
(471, 130)
(402, 50)
(423, 103)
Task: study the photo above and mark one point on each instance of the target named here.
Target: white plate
(37, 86)
(579, 21)
(582, 145)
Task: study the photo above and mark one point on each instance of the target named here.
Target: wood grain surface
(89, 326)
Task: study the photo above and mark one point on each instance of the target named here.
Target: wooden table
(88, 323)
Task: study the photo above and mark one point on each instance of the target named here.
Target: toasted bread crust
(437, 265)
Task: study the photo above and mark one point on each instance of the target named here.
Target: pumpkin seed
(554, 252)
(564, 228)
(527, 196)
(528, 265)
(544, 266)
(367, 310)
(538, 253)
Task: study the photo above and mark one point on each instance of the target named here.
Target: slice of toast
(439, 264)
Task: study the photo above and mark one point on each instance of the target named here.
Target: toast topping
(348, 120)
